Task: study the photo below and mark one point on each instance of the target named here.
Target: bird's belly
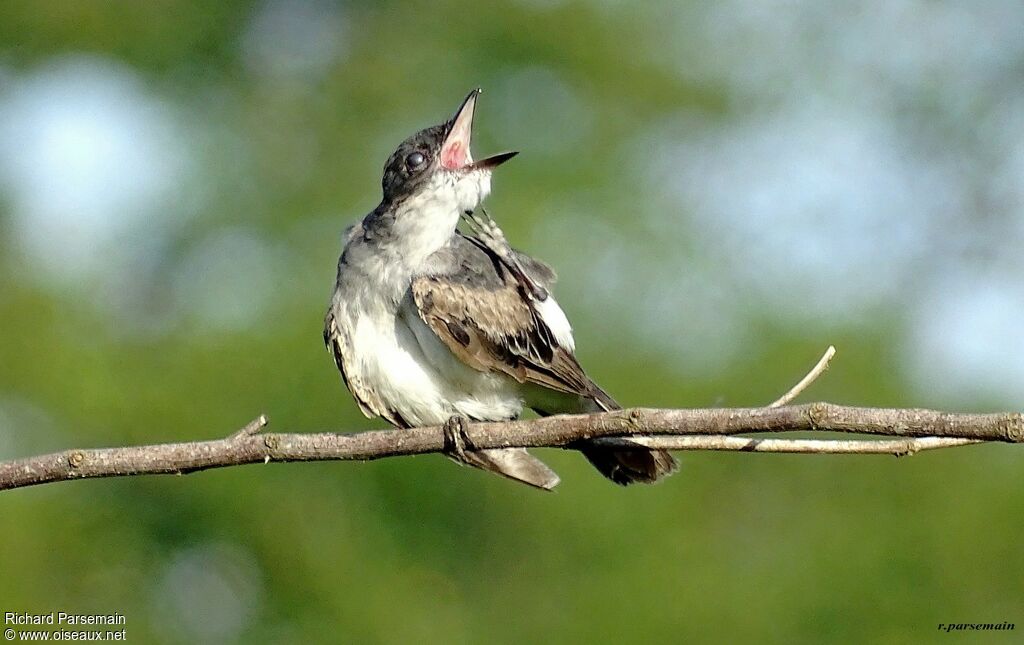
(415, 375)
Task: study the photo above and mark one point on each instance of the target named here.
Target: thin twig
(898, 447)
(251, 428)
(811, 377)
(826, 446)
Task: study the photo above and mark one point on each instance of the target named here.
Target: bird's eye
(415, 160)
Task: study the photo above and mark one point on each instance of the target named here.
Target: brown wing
(485, 321)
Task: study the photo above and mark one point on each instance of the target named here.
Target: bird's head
(436, 162)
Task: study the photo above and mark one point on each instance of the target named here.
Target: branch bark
(677, 429)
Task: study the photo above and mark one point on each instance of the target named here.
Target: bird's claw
(456, 439)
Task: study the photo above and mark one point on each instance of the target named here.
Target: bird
(430, 325)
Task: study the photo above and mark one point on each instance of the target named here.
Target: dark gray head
(441, 148)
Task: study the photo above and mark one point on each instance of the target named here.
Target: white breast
(412, 373)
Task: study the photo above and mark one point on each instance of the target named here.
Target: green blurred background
(725, 188)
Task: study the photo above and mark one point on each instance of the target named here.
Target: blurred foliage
(735, 548)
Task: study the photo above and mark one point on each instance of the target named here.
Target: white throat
(426, 221)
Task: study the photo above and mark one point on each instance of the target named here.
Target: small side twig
(806, 381)
(254, 427)
(899, 448)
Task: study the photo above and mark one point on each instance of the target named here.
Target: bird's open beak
(455, 154)
(492, 162)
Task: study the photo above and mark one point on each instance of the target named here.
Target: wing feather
(478, 311)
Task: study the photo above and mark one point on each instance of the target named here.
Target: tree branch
(683, 429)
(696, 429)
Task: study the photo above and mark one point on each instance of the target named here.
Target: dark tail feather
(625, 467)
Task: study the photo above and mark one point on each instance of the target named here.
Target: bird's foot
(456, 439)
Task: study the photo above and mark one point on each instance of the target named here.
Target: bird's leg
(456, 439)
(494, 239)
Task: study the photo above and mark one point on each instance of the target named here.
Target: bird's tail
(514, 463)
(627, 466)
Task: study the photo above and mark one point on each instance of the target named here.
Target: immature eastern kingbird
(430, 326)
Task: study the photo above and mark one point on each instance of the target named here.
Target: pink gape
(454, 156)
